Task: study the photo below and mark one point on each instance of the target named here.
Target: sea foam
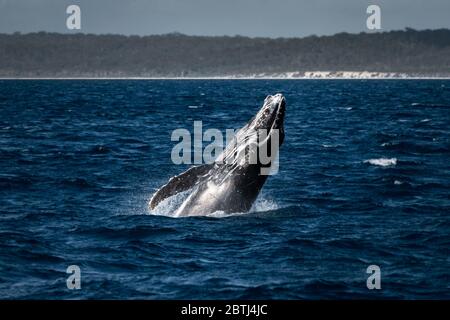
(383, 162)
(168, 207)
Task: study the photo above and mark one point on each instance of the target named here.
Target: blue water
(79, 161)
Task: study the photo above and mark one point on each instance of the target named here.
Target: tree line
(44, 54)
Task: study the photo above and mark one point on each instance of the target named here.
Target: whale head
(270, 116)
(257, 143)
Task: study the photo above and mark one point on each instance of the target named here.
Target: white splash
(383, 162)
(263, 204)
(168, 207)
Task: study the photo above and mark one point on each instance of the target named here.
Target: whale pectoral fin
(179, 183)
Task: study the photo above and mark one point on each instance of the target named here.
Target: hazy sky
(272, 18)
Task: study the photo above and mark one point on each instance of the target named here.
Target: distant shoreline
(403, 54)
(220, 78)
(293, 75)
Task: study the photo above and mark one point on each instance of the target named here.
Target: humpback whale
(233, 181)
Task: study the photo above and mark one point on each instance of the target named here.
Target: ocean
(364, 179)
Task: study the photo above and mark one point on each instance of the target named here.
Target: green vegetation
(175, 55)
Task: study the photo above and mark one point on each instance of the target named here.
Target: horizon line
(180, 34)
(222, 78)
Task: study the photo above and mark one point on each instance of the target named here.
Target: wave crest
(383, 162)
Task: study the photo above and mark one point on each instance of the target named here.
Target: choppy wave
(430, 105)
(383, 162)
(79, 161)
